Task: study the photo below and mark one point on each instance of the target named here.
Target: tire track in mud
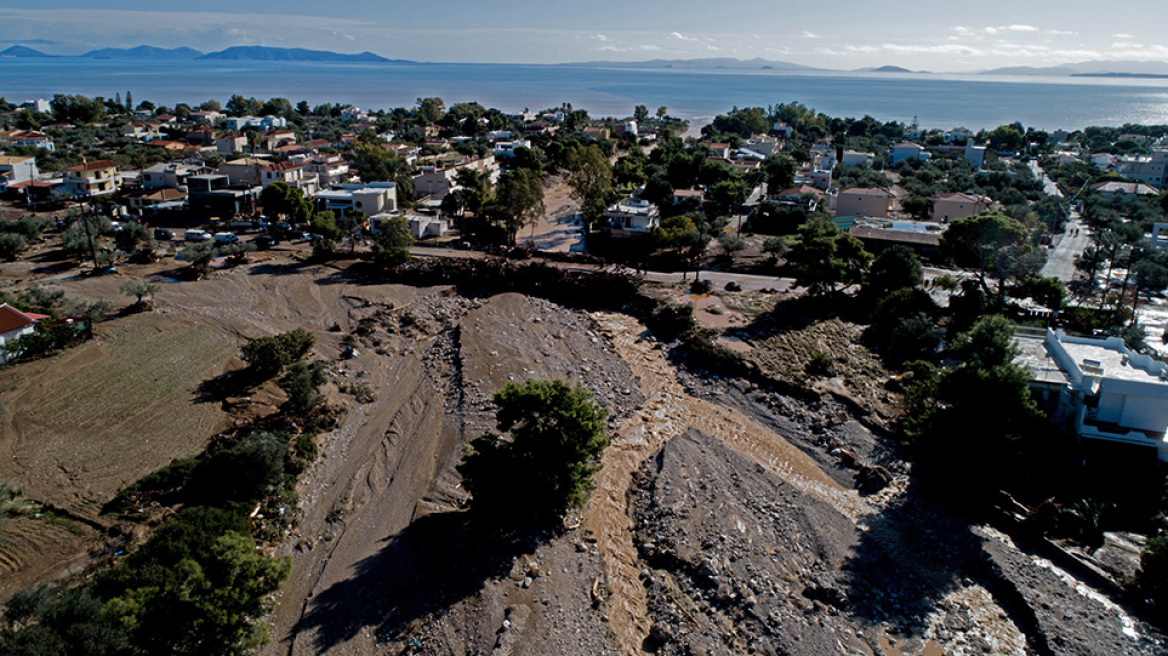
(667, 412)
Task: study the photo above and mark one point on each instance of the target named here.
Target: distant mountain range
(237, 53)
(1090, 68)
(1120, 69)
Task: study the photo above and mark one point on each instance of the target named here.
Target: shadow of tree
(908, 558)
(235, 382)
(432, 564)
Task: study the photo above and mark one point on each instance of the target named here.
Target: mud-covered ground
(727, 518)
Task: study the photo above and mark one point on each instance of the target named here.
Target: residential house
(15, 169)
(171, 174)
(630, 217)
(158, 199)
(782, 130)
(244, 171)
(230, 144)
(526, 116)
(96, 178)
(861, 202)
(273, 139)
(1059, 136)
(214, 194)
(907, 150)
(1112, 189)
(762, 145)
(924, 238)
(507, 148)
(19, 138)
(948, 207)
(857, 158)
(204, 136)
(1151, 169)
(437, 181)
(689, 196)
(206, 117)
(1099, 389)
(142, 132)
(370, 198)
(329, 169)
(975, 154)
(627, 127)
(803, 195)
(291, 174)
(40, 106)
(13, 325)
(239, 123)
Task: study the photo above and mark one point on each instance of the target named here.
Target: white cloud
(682, 37)
(600, 37)
(1010, 28)
(1121, 35)
(810, 35)
(1062, 32)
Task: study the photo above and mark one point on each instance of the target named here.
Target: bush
(266, 356)
(672, 319)
(821, 364)
(543, 464)
(301, 382)
(12, 245)
(1152, 579)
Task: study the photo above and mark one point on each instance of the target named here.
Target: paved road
(1075, 239)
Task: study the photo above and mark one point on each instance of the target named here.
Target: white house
(975, 154)
(290, 174)
(370, 198)
(39, 105)
(1099, 389)
(230, 144)
(856, 158)
(170, 174)
(507, 148)
(632, 215)
(907, 150)
(15, 169)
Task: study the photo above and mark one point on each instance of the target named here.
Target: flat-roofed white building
(1099, 389)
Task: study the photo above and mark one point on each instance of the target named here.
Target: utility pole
(89, 236)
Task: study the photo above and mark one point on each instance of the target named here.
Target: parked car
(264, 242)
(226, 238)
(196, 235)
(162, 234)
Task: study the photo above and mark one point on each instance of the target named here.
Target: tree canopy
(542, 464)
(824, 257)
(590, 180)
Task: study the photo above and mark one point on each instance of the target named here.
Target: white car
(226, 238)
(196, 235)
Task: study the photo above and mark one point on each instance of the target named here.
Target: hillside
(22, 51)
(264, 53)
(144, 52)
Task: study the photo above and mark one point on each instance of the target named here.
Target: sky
(934, 35)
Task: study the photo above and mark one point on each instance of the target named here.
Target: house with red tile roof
(13, 325)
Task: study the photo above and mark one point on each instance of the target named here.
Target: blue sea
(936, 101)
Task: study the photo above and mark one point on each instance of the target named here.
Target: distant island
(144, 52)
(264, 53)
(22, 51)
(1155, 76)
(887, 69)
(236, 53)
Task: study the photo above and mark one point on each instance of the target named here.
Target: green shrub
(543, 463)
(268, 355)
(301, 382)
